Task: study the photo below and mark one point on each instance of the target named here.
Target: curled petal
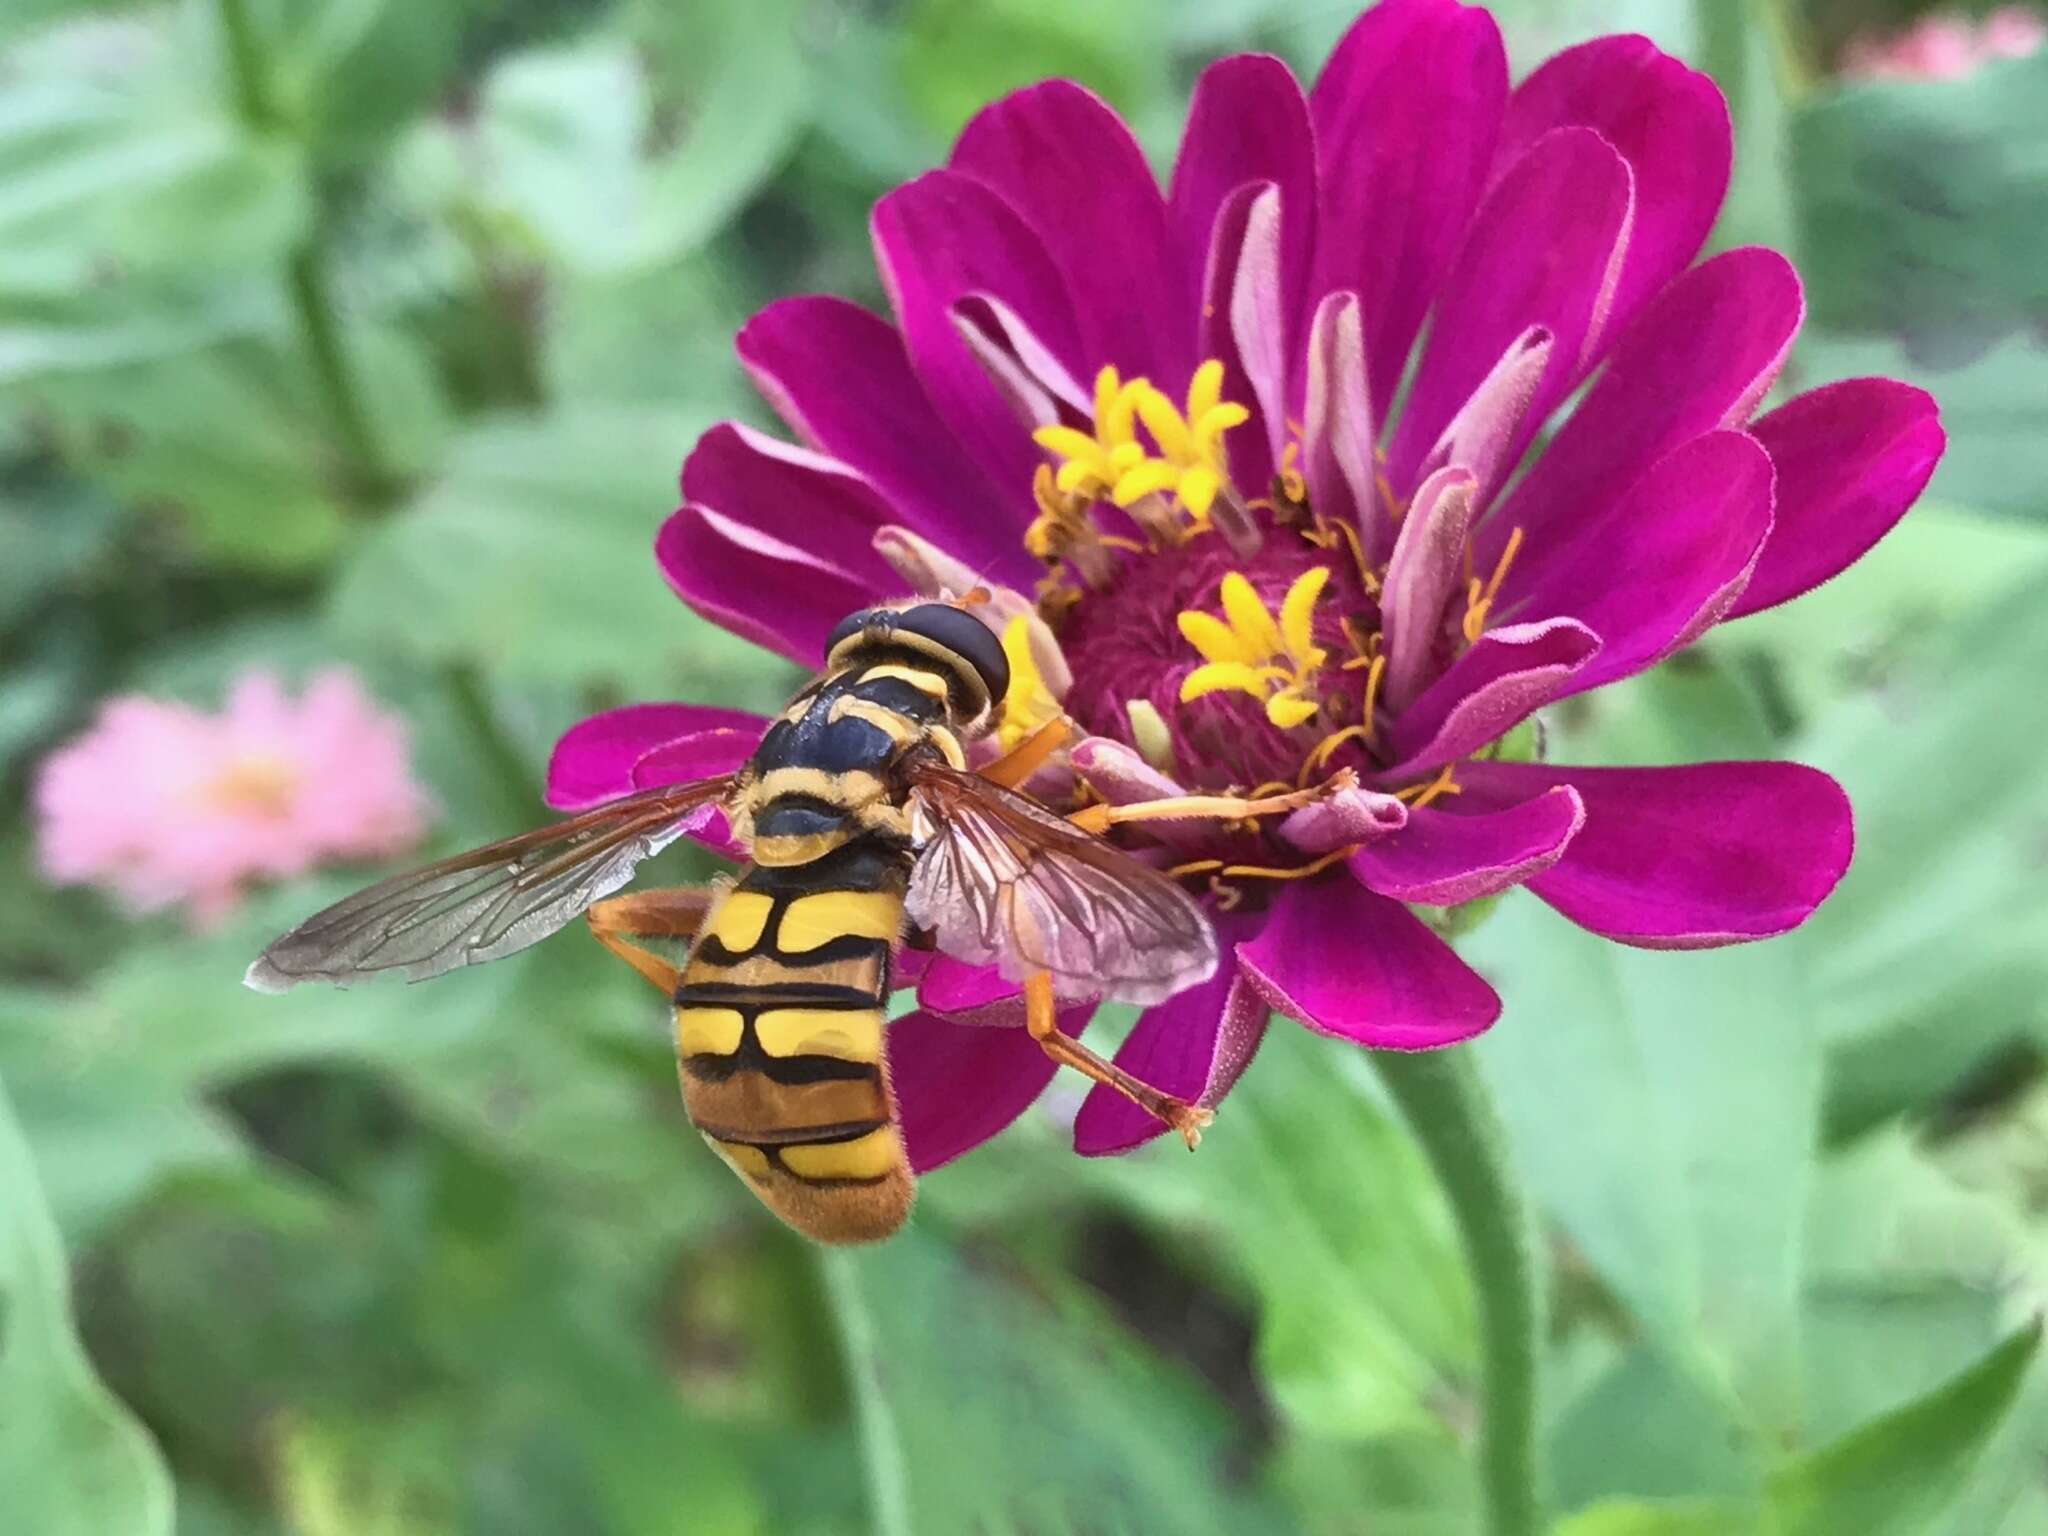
(1343, 478)
(1851, 458)
(1687, 857)
(1443, 858)
(1427, 567)
(1355, 815)
(1348, 963)
(1511, 673)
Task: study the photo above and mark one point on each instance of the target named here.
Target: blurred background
(373, 332)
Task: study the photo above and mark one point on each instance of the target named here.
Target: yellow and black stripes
(780, 1017)
(780, 1009)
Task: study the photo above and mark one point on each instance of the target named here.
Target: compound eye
(966, 637)
(854, 623)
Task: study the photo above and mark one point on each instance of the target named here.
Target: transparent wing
(484, 904)
(1004, 882)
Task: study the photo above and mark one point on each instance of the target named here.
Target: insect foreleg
(1100, 818)
(1041, 1017)
(1029, 755)
(676, 913)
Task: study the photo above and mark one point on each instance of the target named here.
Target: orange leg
(1042, 1019)
(1098, 819)
(1029, 755)
(671, 914)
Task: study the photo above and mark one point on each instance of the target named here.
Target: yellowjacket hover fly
(857, 809)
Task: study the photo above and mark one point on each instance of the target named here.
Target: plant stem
(881, 1450)
(370, 480)
(1446, 1104)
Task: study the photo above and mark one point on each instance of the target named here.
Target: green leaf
(1644, 1429)
(997, 1401)
(1921, 205)
(1366, 1319)
(1930, 953)
(72, 1459)
(1897, 1473)
(119, 165)
(1620, 1073)
(235, 444)
(533, 557)
(1681, 1517)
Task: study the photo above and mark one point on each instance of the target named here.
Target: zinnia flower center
(1235, 642)
(260, 785)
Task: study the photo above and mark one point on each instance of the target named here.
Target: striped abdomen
(779, 1026)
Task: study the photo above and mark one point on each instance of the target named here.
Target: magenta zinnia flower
(166, 805)
(1242, 462)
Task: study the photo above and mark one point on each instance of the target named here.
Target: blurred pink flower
(165, 805)
(1946, 47)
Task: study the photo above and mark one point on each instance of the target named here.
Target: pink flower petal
(956, 1086)
(1659, 567)
(1699, 358)
(1545, 250)
(793, 495)
(1059, 156)
(1671, 125)
(1339, 462)
(1248, 124)
(1348, 963)
(1491, 428)
(1407, 115)
(1687, 857)
(594, 760)
(1194, 1046)
(1243, 304)
(1428, 565)
(1851, 458)
(946, 237)
(1512, 672)
(841, 378)
(774, 593)
(1356, 815)
(970, 994)
(1446, 857)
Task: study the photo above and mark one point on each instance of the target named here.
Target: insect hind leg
(674, 913)
(1041, 1017)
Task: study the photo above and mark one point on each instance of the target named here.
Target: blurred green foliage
(374, 330)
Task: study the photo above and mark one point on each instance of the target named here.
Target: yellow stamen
(1372, 688)
(1419, 795)
(1479, 600)
(1028, 704)
(1327, 748)
(1268, 872)
(1184, 458)
(1249, 651)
